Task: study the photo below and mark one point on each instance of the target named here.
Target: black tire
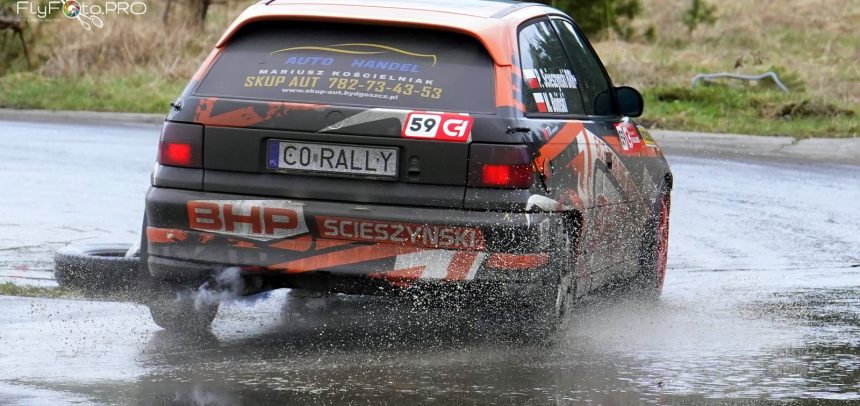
(172, 306)
(648, 283)
(548, 310)
(95, 267)
(177, 312)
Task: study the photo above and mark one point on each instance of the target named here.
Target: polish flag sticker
(530, 75)
(540, 101)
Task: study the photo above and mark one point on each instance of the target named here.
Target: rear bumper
(191, 234)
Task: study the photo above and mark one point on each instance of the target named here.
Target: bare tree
(198, 9)
(16, 26)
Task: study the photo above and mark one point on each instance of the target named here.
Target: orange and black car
(383, 147)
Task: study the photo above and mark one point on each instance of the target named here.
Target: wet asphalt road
(762, 302)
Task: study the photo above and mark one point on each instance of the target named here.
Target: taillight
(175, 154)
(181, 144)
(500, 166)
(519, 176)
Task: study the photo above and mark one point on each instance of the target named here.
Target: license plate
(332, 158)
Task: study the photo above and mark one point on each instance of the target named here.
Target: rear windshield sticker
(375, 67)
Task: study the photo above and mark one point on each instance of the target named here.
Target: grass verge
(11, 289)
(756, 111)
(137, 93)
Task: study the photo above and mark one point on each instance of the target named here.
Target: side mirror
(629, 101)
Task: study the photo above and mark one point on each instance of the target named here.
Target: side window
(593, 83)
(549, 83)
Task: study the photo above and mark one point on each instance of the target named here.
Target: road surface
(762, 301)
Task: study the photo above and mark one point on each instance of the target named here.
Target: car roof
(488, 21)
(476, 8)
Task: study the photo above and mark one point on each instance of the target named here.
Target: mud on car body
(381, 147)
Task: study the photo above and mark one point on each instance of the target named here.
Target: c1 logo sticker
(438, 126)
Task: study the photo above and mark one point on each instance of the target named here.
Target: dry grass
(813, 44)
(134, 44)
(133, 63)
(121, 47)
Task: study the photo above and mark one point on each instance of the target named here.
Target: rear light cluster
(500, 166)
(181, 145)
(507, 175)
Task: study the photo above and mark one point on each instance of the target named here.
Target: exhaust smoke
(226, 286)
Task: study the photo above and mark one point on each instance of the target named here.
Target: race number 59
(438, 126)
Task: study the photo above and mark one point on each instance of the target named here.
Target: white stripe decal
(434, 262)
(479, 260)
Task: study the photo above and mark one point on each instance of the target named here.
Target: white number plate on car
(332, 158)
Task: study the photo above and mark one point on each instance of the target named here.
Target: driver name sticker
(438, 126)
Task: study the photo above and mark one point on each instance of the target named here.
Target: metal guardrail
(707, 77)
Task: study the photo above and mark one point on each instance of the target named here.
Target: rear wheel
(173, 307)
(180, 310)
(548, 310)
(654, 250)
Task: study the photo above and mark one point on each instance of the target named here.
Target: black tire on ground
(547, 311)
(95, 267)
(177, 312)
(648, 283)
(171, 305)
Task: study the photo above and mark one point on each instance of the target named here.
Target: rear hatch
(338, 112)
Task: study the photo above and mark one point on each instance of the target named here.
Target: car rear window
(368, 66)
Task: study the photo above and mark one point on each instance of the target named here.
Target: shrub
(599, 16)
(700, 12)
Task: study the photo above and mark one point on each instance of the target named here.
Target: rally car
(469, 147)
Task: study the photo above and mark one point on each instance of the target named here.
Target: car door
(621, 191)
(573, 154)
(581, 158)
